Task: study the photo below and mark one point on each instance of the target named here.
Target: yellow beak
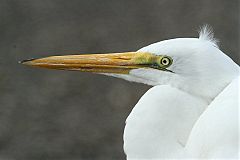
(120, 63)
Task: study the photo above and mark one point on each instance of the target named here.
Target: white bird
(192, 110)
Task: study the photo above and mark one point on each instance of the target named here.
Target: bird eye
(166, 61)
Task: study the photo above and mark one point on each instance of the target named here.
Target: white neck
(153, 130)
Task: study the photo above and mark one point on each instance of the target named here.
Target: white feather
(216, 133)
(206, 34)
(161, 122)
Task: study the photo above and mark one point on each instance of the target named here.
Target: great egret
(192, 110)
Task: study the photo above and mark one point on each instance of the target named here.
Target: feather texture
(206, 34)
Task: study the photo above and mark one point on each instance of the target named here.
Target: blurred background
(60, 115)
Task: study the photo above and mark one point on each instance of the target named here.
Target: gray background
(48, 114)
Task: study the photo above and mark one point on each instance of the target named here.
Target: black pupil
(164, 61)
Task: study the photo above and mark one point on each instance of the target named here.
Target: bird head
(194, 65)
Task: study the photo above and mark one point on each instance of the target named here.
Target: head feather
(206, 34)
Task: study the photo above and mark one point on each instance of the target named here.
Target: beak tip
(26, 61)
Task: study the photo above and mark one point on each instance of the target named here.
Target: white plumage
(192, 113)
(216, 133)
(160, 123)
(170, 123)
